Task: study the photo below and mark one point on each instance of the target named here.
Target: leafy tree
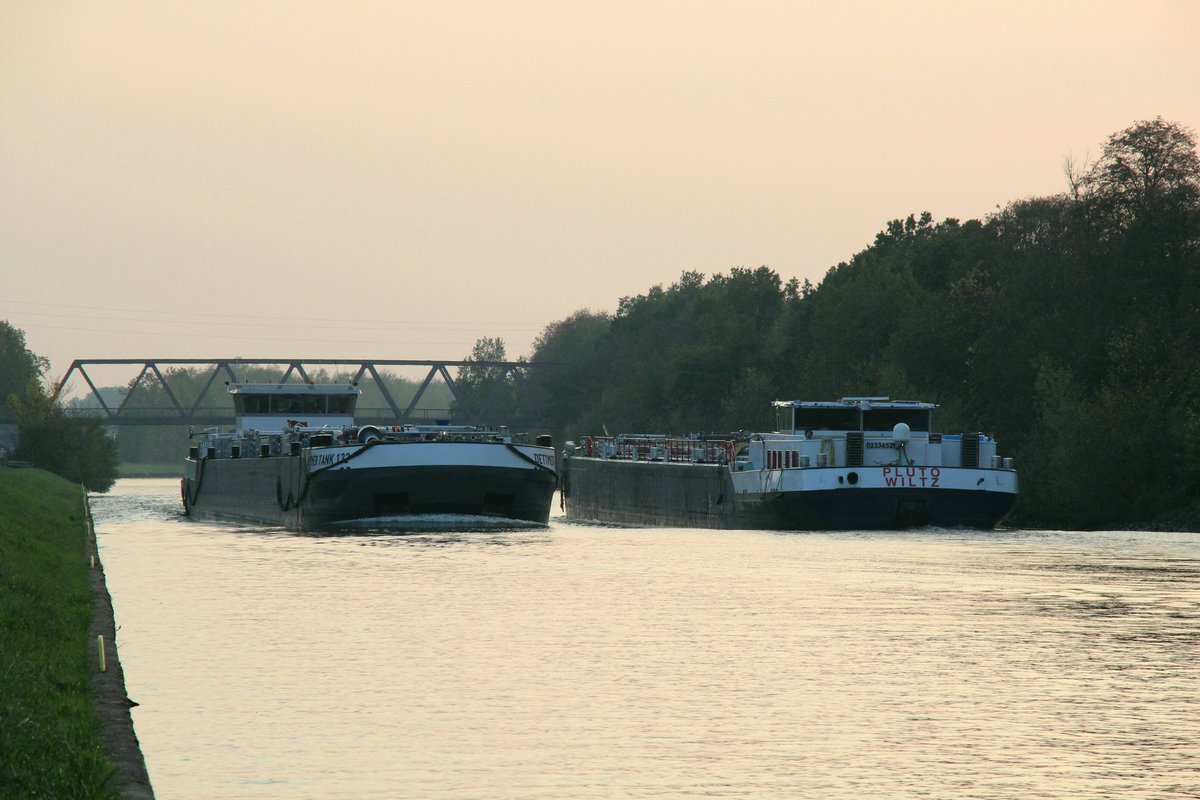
(573, 375)
(75, 448)
(486, 390)
(18, 365)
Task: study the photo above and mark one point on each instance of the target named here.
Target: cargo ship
(296, 458)
(858, 463)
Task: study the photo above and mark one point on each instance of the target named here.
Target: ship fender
(191, 494)
(284, 503)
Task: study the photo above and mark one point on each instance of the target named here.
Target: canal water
(594, 662)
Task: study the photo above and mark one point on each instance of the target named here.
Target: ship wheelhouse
(865, 414)
(864, 432)
(273, 407)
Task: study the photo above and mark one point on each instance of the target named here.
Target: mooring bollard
(100, 650)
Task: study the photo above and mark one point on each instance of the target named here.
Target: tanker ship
(297, 459)
(859, 463)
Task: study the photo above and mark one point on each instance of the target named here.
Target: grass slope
(49, 732)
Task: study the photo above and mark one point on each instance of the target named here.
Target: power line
(258, 338)
(351, 325)
(201, 316)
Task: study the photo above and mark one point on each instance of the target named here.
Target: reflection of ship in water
(296, 458)
(855, 463)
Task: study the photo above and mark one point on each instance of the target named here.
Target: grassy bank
(49, 732)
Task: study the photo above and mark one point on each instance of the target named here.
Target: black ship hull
(281, 491)
(657, 494)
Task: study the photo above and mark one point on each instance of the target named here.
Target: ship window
(341, 404)
(884, 419)
(250, 404)
(245, 404)
(826, 419)
(298, 404)
(783, 419)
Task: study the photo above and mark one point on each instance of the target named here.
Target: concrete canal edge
(120, 743)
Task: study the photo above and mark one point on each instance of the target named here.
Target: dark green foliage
(79, 450)
(575, 347)
(1069, 326)
(76, 448)
(487, 393)
(18, 366)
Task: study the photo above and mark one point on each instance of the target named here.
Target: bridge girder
(516, 371)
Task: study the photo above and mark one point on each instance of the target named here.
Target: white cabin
(272, 407)
(864, 432)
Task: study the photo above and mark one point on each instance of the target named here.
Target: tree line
(1066, 325)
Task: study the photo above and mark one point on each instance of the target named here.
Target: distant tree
(76, 448)
(730, 320)
(747, 404)
(856, 313)
(574, 374)
(485, 388)
(1145, 169)
(18, 365)
(1141, 204)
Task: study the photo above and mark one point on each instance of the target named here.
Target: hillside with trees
(1067, 325)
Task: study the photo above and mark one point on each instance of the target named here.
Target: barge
(297, 459)
(859, 463)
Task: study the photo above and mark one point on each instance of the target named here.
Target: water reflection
(588, 662)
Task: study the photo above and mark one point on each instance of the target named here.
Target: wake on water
(426, 523)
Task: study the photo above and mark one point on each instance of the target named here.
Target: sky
(395, 180)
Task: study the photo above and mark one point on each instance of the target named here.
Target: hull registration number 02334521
(925, 477)
(544, 460)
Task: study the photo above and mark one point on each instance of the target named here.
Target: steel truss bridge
(127, 412)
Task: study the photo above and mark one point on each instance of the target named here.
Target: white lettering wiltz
(912, 476)
(325, 459)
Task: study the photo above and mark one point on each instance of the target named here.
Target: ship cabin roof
(868, 414)
(273, 399)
